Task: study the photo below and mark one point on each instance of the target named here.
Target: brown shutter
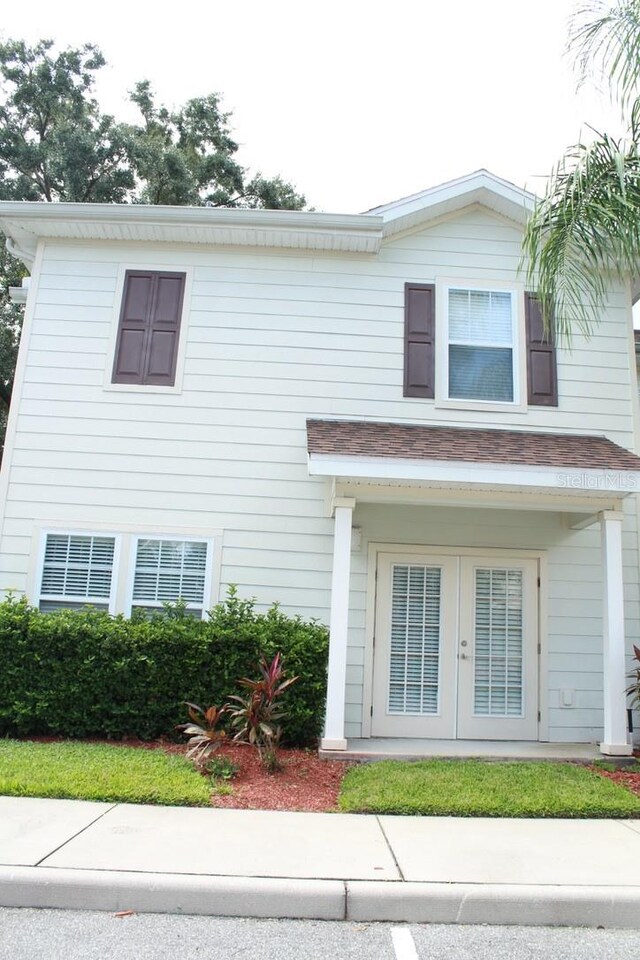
(137, 298)
(542, 377)
(164, 329)
(419, 339)
(149, 328)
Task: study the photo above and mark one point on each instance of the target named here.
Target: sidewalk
(100, 856)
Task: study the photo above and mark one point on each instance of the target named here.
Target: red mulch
(624, 778)
(305, 782)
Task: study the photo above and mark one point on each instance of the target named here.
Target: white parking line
(403, 944)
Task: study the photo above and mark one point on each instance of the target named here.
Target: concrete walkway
(377, 748)
(100, 856)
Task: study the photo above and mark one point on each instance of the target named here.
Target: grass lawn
(472, 788)
(95, 771)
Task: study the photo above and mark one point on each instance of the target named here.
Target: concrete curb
(506, 904)
(172, 893)
(358, 900)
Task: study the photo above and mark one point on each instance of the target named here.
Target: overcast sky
(357, 102)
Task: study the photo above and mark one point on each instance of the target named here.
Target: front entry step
(391, 748)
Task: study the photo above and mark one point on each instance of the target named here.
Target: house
(356, 416)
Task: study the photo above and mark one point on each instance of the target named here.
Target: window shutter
(542, 377)
(162, 344)
(134, 317)
(149, 328)
(419, 339)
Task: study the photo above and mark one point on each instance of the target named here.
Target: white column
(334, 738)
(615, 680)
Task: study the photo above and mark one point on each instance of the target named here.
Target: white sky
(357, 102)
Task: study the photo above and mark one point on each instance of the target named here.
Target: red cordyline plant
(204, 732)
(633, 690)
(255, 717)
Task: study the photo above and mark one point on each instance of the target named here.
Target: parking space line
(405, 948)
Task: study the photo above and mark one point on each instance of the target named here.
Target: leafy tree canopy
(57, 144)
(587, 226)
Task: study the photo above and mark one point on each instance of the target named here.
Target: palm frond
(586, 227)
(605, 39)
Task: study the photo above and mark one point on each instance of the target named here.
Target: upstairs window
(171, 570)
(465, 345)
(77, 570)
(481, 346)
(149, 328)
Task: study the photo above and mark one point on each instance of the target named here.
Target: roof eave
(473, 475)
(26, 223)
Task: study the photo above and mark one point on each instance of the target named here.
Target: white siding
(274, 337)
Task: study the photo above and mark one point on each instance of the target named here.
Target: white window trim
(208, 572)
(442, 399)
(66, 532)
(115, 323)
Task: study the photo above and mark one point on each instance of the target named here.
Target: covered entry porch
(456, 655)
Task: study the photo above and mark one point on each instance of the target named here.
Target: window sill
(488, 406)
(141, 388)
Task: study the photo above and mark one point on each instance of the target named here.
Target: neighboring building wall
(273, 337)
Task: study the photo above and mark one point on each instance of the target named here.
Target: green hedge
(83, 673)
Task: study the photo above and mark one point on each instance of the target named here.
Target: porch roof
(413, 442)
(572, 467)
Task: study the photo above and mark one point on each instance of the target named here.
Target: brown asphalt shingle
(408, 442)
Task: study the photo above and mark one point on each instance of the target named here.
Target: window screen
(170, 570)
(481, 347)
(77, 570)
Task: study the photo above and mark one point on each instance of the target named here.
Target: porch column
(334, 738)
(615, 680)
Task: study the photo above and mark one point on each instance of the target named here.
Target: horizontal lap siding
(274, 337)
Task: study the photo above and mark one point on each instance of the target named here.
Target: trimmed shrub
(82, 673)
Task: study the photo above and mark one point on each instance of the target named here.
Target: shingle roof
(408, 442)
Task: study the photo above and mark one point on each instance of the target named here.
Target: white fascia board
(480, 187)
(25, 222)
(467, 474)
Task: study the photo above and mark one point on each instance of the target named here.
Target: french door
(456, 647)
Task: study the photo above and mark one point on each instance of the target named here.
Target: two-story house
(356, 416)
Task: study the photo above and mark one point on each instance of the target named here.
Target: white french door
(456, 649)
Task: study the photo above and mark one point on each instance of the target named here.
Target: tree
(57, 144)
(588, 223)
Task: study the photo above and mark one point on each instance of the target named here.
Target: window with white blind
(170, 569)
(414, 667)
(481, 345)
(498, 666)
(77, 570)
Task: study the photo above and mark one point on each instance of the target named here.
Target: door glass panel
(498, 643)
(414, 667)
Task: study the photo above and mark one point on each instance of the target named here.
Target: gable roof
(24, 223)
(480, 187)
